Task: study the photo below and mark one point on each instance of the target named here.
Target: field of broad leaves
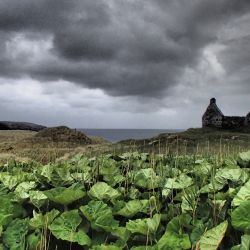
(132, 201)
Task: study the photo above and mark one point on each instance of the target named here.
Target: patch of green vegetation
(202, 141)
(128, 201)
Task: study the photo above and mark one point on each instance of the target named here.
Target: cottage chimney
(212, 100)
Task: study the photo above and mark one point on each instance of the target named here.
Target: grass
(18, 144)
(24, 146)
(193, 142)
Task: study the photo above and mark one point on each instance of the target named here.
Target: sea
(116, 135)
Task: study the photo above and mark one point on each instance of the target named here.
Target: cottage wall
(247, 121)
(233, 122)
(212, 121)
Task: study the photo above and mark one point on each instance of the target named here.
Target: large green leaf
(5, 219)
(14, 235)
(202, 168)
(9, 209)
(145, 247)
(106, 247)
(236, 175)
(215, 185)
(189, 199)
(133, 193)
(65, 226)
(42, 221)
(171, 172)
(242, 195)
(102, 191)
(37, 198)
(221, 178)
(147, 178)
(245, 243)
(65, 196)
(107, 165)
(173, 241)
(147, 226)
(44, 173)
(122, 233)
(133, 207)
(22, 190)
(100, 216)
(34, 241)
(180, 182)
(174, 238)
(244, 159)
(82, 177)
(212, 238)
(113, 180)
(197, 231)
(241, 217)
(57, 174)
(9, 181)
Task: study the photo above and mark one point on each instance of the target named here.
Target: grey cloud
(47, 15)
(90, 45)
(236, 56)
(137, 48)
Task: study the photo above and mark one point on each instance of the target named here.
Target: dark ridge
(7, 125)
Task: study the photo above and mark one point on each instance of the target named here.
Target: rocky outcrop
(7, 125)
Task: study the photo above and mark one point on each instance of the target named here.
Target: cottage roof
(213, 109)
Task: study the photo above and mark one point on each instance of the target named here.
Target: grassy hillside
(28, 145)
(194, 141)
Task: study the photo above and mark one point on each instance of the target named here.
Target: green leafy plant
(130, 201)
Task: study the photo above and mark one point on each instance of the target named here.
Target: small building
(247, 120)
(213, 117)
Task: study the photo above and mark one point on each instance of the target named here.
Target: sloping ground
(48, 146)
(195, 135)
(192, 139)
(14, 135)
(7, 125)
(62, 134)
(44, 146)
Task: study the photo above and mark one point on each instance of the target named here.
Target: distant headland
(7, 125)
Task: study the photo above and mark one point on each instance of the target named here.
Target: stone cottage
(213, 117)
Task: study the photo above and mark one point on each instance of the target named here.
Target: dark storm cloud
(49, 15)
(138, 48)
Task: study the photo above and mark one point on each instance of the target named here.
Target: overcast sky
(123, 63)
